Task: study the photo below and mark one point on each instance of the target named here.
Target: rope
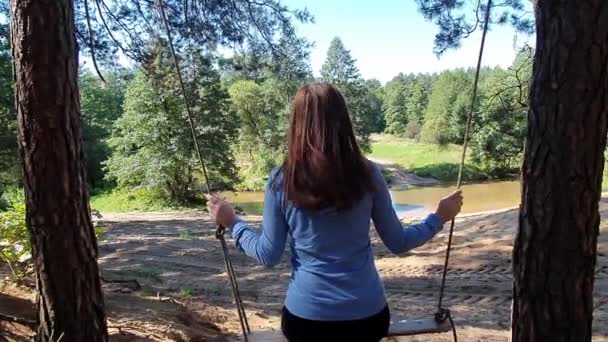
(184, 96)
(220, 231)
(235, 287)
(442, 313)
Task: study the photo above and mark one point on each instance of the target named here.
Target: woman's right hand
(450, 206)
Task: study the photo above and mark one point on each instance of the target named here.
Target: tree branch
(126, 29)
(92, 42)
(105, 24)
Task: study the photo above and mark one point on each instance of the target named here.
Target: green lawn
(426, 160)
(410, 154)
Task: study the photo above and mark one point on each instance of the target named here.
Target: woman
(323, 197)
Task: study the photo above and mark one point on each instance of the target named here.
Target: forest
(137, 141)
(106, 126)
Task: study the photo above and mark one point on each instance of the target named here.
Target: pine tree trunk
(555, 248)
(64, 247)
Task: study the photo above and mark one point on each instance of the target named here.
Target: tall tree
(339, 66)
(152, 144)
(9, 162)
(101, 106)
(340, 69)
(555, 248)
(263, 114)
(375, 99)
(556, 244)
(498, 143)
(64, 247)
(417, 101)
(395, 107)
(444, 117)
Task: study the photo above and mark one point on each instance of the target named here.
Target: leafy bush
(413, 130)
(15, 247)
(14, 236)
(134, 199)
(448, 172)
(255, 169)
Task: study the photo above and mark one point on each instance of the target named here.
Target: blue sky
(390, 36)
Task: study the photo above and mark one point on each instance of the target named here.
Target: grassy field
(410, 154)
(426, 160)
(124, 200)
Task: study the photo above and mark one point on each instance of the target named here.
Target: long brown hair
(324, 165)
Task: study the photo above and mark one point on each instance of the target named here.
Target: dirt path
(401, 178)
(177, 254)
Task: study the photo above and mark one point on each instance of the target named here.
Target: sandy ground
(183, 293)
(177, 254)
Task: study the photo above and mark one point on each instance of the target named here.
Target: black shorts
(370, 329)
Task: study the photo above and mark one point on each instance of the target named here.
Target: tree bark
(555, 248)
(64, 248)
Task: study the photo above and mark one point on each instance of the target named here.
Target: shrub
(14, 236)
(413, 130)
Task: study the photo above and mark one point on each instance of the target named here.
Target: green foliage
(410, 154)
(395, 107)
(605, 173)
(413, 130)
(263, 116)
(186, 292)
(448, 172)
(339, 66)
(147, 273)
(14, 235)
(258, 64)
(339, 69)
(131, 199)
(406, 98)
(498, 143)
(445, 115)
(101, 106)
(267, 47)
(499, 123)
(375, 100)
(99, 231)
(187, 235)
(260, 108)
(128, 27)
(9, 161)
(458, 19)
(417, 101)
(152, 143)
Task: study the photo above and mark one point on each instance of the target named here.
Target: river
(418, 201)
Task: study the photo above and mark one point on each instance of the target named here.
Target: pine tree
(339, 67)
(340, 70)
(9, 161)
(395, 107)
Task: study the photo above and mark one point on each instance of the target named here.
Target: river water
(418, 201)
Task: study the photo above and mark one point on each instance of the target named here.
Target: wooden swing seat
(398, 327)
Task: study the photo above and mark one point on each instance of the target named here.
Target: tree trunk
(555, 248)
(64, 247)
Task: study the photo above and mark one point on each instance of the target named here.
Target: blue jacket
(333, 272)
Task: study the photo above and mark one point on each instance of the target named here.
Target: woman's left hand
(220, 211)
